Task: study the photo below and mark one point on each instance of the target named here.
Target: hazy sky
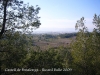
(62, 15)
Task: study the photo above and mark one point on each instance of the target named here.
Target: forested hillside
(63, 54)
(81, 57)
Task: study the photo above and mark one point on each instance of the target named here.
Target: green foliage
(67, 35)
(86, 50)
(15, 15)
(48, 36)
(16, 51)
(13, 51)
(96, 22)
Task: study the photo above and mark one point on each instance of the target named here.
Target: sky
(62, 15)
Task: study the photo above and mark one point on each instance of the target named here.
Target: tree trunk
(4, 18)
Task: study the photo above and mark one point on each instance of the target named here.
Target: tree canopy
(17, 51)
(86, 49)
(17, 16)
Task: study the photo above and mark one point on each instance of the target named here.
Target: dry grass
(45, 44)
